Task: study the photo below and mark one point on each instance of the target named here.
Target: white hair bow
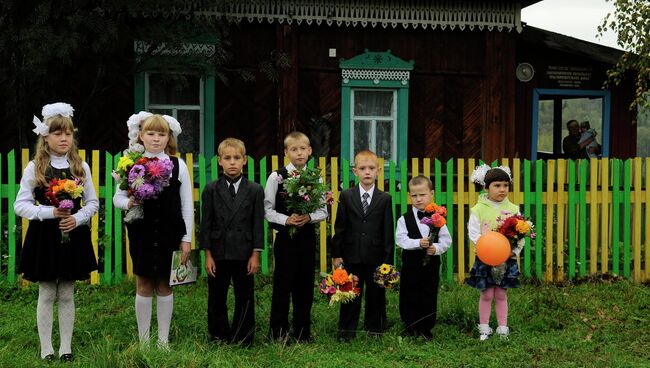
(174, 125)
(478, 175)
(41, 128)
(49, 111)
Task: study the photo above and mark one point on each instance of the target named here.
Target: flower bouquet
(386, 276)
(435, 217)
(515, 227)
(340, 287)
(305, 193)
(61, 193)
(143, 178)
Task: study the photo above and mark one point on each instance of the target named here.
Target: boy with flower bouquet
(364, 239)
(295, 250)
(423, 236)
(340, 287)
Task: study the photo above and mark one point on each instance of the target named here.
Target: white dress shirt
(405, 242)
(121, 197)
(25, 205)
(369, 191)
(475, 229)
(271, 215)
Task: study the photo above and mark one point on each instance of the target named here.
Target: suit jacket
(364, 238)
(232, 229)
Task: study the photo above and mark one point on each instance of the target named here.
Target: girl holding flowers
(492, 282)
(158, 184)
(52, 189)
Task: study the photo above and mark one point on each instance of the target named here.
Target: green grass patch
(603, 323)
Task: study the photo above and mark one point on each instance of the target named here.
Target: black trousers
(375, 316)
(243, 321)
(293, 280)
(418, 297)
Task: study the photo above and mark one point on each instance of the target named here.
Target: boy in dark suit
(232, 232)
(418, 297)
(364, 239)
(295, 265)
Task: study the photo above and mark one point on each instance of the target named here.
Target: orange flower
(431, 207)
(441, 210)
(340, 276)
(437, 220)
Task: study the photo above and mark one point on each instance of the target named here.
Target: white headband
(478, 175)
(49, 111)
(134, 123)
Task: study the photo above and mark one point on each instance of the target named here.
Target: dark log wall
(461, 97)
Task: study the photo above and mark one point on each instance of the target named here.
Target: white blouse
(25, 205)
(121, 197)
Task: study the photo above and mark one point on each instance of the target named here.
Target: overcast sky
(575, 18)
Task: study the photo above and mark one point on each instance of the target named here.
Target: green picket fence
(591, 216)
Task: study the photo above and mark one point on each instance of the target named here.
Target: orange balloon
(493, 248)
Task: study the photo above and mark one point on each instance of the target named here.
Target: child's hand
(431, 250)
(291, 220)
(68, 223)
(302, 219)
(337, 262)
(131, 202)
(210, 266)
(253, 263)
(424, 243)
(61, 213)
(186, 248)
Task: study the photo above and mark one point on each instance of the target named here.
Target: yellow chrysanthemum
(69, 186)
(124, 162)
(384, 269)
(522, 227)
(78, 192)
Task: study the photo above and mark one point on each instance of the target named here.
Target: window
(374, 122)
(180, 96)
(552, 109)
(374, 105)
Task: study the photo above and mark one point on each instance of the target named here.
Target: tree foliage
(631, 22)
(47, 46)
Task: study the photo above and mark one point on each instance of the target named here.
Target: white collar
(369, 191)
(160, 155)
(291, 167)
(59, 162)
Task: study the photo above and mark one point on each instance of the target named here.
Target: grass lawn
(592, 324)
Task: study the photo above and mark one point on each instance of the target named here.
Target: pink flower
(66, 204)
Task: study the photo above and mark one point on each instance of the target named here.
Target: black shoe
(67, 357)
(49, 358)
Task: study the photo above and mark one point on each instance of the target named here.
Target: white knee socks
(44, 312)
(65, 295)
(143, 316)
(165, 307)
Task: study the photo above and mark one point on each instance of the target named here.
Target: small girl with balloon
(495, 266)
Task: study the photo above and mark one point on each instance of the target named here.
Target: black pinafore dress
(44, 257)
(154, 237)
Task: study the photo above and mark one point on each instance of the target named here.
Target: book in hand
(184, 273)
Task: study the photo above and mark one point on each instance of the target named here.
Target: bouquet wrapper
(134, 213)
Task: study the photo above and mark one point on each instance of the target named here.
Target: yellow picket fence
(592, 216)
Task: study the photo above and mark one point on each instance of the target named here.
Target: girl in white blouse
(46, 257)
(166, 225)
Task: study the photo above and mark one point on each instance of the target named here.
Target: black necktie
(421, 215)
(364, 202)
(231, 185)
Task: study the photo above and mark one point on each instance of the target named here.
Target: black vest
(412, 226)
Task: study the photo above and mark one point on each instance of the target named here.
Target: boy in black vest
(364, 239)
(418, 298)
(295, 265)
(232, 233)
